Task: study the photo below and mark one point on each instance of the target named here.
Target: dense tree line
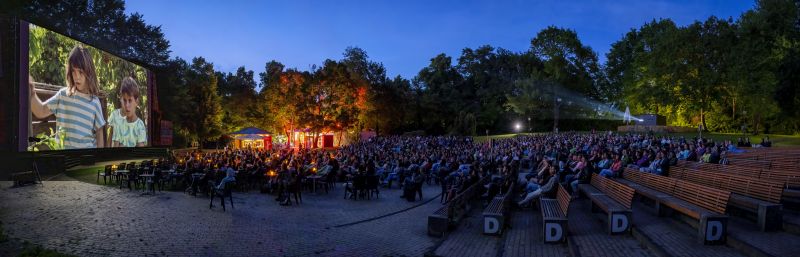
(721, 73)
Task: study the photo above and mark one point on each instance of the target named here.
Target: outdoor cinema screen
(81, 97)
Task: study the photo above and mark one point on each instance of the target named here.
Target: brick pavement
(89, 220)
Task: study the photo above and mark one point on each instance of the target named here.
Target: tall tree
(207, 115)
(568, 64)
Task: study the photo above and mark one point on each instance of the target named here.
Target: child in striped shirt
(76, 106)
(127, 129)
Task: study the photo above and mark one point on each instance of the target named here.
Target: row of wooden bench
(762, 198)
(497, 214)
(701, 195)
(790, 177)
(704, 204)
(779, 158)
(451, 213)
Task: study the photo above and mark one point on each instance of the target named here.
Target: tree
(177, 105)
(238, 92)
(568, 64)
(102, 24)
(439, 82)
(207, 115)
(528, 97)
(282, 97)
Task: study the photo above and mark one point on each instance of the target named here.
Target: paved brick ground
(90, 220)
(588, 233)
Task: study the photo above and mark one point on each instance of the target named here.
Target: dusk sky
(403, 35)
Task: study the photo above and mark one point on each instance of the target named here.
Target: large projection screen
(80, 97)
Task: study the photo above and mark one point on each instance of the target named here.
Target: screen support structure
(24, 92)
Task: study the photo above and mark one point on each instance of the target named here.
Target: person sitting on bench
(547, 188)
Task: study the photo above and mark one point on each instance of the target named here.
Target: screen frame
(23, 119)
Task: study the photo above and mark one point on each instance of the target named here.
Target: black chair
(106, 172)
(133, 179)
(156, 181)
(227, 191)
(356, 188)
(295, 188)
(329, 181)
(371, 186)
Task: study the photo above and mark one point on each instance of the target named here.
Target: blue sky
(403, 35)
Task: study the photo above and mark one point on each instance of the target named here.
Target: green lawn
(777, 140)
(88, 175)
(480, 139)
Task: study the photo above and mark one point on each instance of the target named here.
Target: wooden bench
(451, 213)
(757, 196)
(704, 204)
(763, 164)
(790, 179)
(614, 199)
(497, 214)
(554, 216)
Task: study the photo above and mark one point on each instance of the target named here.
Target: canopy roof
(250, 131)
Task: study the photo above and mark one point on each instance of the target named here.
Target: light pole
(556, 105)
(529, 125)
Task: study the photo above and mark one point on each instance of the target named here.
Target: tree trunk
(703, 119)
(757, 120)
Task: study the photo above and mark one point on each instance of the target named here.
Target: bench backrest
(460, 200)
(563, 199)
(766, 190)
(617, 191)
(632, 175)
(712, 199)
(658, 182)
(764, 164)
(788, 177)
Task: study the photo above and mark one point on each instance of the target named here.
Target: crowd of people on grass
(454, 163)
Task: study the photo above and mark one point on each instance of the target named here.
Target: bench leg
(770, 217)
(437, 226)
(493, 224)
(662, 210)
(713, 230)
(555, 231)
(619, 222)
